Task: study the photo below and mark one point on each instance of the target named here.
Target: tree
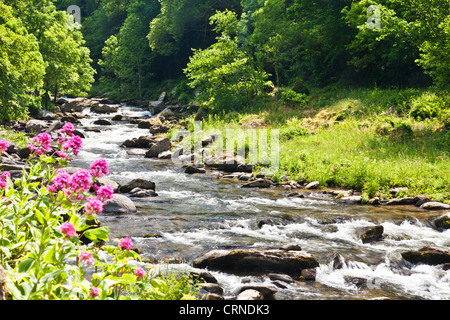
(62, 48)
(21, 66)
(393, 50)
(224, 73)
(127, 55)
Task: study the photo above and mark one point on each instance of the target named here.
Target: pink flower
(94, 206)
(105, 193)
(63, 155)
(4, 145)
(4, 180)
(139, 272)
(126, 244)
(68, 230)
(95, 292)
(75, 143)
(60, 181)
(86, 257)
(80, 181)
(99, 168)
(41, 143)
(68, 129)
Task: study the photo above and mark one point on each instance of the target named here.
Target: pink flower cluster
(139, 272)
(125, 244)
(4, 145)
(4, 180)
(41, 143)
(70, 143)
(74, 186)
(86, 257)
(68, 230)
(99, 168)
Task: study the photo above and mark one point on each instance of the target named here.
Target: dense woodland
(227, 53)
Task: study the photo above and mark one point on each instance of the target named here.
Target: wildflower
(80, 181)
(63, 155)
(99, 168)
(60, 181)
(94, 206)
(68, 230)
(95, 292)
(139, 272)
(41, 143)
(4, 145)
(86, 257)
(126, 244)
(68, 129)
(105, 193)
(75, 143)
(4, 180)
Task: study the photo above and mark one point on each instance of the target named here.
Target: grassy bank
(368, 140)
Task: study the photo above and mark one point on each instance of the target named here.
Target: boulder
(428, 255)
(309, 274)
(141, 193)
(281, 277)
(443, 222)
(435, 206)
(370, 234)
(191, 169)
(401, 201)
(137, 183)
(105, 181)
(257, 260)
(267, 291)
(159, 128)
(313, 185)
(259, 183)
(136, 152)
(35, 126)
(250, 294)
(230, 163)
(350, 200)
(71, 107)
(156, 107)
(211, 288)
(120, 204)
(161, 145)
(102, 122)
(104, 109)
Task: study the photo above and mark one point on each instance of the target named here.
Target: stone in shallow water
(257, 260)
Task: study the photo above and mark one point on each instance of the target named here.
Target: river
(194, 214)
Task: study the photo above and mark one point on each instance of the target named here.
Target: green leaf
(26, 265)
(97, 234)
(51, 275)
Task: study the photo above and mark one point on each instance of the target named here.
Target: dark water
(196, 213)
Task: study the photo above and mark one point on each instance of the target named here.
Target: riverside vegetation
(357, 107)
(51, 240)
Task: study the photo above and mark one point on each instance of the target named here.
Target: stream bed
(194, 214)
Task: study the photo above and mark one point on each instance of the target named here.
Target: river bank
(183, 216)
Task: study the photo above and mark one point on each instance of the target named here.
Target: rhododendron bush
(50, 236)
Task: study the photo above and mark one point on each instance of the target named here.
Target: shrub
(291, 97)
(428, 105)
(47, 218)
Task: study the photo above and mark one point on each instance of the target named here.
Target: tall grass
(362, 139)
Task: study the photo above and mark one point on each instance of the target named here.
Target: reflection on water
(196, 213)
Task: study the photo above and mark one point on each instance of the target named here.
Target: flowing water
(194, 214)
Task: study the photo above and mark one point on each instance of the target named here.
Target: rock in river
(257, 260)
(120, 204)
(428, 255)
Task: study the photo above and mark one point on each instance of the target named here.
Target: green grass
(362, 139)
